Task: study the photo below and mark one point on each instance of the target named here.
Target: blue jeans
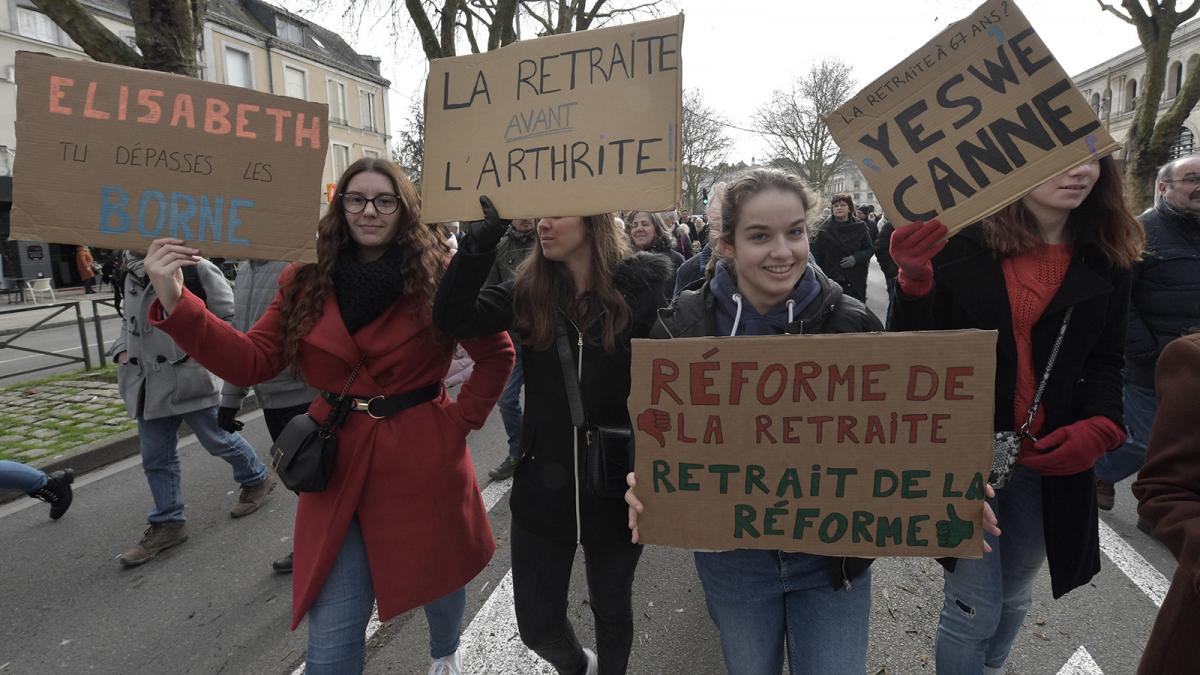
(764, 600)
(337, 622)
(17, 476)
(159, 439)
(987, 598)
(510, 406)
(1126, 460)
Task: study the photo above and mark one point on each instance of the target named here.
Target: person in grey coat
(282, 397)
(163, 387)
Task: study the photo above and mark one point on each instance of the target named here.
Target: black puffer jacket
(835, 240)
(1166, 291)
(691, 315)
(544, 489)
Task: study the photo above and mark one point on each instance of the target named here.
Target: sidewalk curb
(87, 458)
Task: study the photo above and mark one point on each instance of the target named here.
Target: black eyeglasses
(355, 203)
(1190, 180)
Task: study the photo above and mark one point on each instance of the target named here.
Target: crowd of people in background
(523, 311)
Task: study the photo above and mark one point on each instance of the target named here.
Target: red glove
(913, 247)
(1076, 447)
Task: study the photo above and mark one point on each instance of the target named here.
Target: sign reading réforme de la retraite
(565, 125)
(114, 157)
(867, 445)
(969, 123)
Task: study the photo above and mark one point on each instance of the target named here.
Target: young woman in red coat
(1068, 244)
(401, 521)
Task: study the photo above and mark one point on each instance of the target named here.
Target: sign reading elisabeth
(969, 123)
(114, 157)
(868, 445)
(565, 125)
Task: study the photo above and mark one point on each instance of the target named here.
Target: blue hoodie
(735, 316)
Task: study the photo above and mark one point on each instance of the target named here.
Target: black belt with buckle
(380, 407)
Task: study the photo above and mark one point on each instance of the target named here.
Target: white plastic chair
(42, 285)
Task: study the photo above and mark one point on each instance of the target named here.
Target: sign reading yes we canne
(969, 123)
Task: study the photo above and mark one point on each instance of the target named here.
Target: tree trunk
(96, 41)
(167, 34)
(1144, 160)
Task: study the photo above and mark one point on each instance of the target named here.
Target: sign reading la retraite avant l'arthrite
(114, 157)
(866, 444)
(969, 123)
(565, 125)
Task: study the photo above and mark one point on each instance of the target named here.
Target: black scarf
(365, 290)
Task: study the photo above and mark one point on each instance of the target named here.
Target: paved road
(62, 340)
(213, 605)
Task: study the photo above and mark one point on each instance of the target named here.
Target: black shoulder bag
(304, 454)
(1008, 443)
(607, 453)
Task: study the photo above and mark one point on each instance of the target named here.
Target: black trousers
(541, 579)
(277, 418)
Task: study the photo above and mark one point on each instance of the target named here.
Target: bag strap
(570, 379)
(1037, 398)
(338, 414)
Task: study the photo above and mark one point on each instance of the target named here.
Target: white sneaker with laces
(447, 665)
(593, 665)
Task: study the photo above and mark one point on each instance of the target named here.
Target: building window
(237, 68)
(341, 159)
(337, 102)
(36, 25)
(289, 31)
(1096, 103)
(370, 154)
(1131, 95)
(1183, 144)
(857, 196)
(870, 196)
(295, 82)
(1174, 79)
(366, 104)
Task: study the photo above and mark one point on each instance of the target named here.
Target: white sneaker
(593, 666)
(447, 665)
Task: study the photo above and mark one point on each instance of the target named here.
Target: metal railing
(56, 308)
(96, 320)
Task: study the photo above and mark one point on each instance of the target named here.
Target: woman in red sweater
(1069, 243)
(401, 522)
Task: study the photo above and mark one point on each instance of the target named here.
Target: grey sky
(737, 52)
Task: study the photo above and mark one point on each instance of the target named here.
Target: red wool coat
(409, 477)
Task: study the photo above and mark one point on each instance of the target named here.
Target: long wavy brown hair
(423, 254)
(544, 287)
(1103, 220)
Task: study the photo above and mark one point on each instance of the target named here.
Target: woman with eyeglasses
(401, 522)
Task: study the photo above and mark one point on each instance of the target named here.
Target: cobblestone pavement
(42, 420)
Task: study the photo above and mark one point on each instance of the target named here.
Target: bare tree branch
(96, 41)
(1116, 12)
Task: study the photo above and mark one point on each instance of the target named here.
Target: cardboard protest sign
(565, 125)
(863, 444)
(969, 123)
(115, 157)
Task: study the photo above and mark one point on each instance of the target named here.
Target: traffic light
(704, 195)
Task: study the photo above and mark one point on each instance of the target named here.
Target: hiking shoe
(252, 497)
(1106, 495)
(283, 565)
(506, 469)
(447, 665)
(157, 538)
(593, 665)
(57, 492)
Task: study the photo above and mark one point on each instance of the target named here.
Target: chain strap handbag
(607, 453)
(305, 452)
(1007, 444)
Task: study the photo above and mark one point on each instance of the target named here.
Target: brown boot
(158, 537)
(252, 497)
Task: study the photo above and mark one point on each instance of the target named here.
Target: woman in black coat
(843, 248)
(1067, 244)
(584, 279)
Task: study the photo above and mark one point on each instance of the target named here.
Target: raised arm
(463, 307)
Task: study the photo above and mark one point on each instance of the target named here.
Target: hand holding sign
(484, 235)
(164, 263)
(656, 423)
